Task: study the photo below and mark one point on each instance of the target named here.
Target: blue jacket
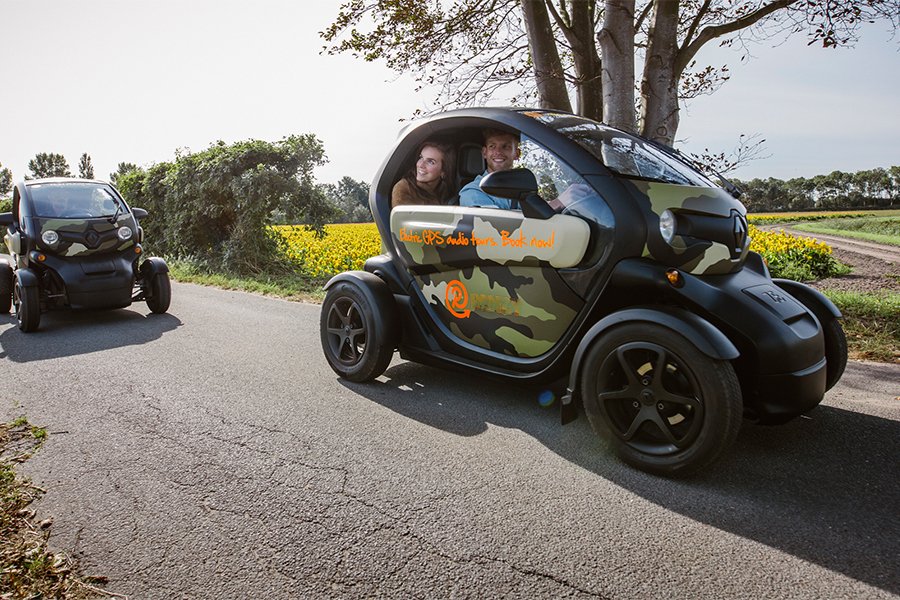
(472, 195)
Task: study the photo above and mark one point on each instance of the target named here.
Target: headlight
(50, 237)
(667, 225)
(124, 233)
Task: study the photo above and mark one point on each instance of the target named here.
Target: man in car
(499, 150)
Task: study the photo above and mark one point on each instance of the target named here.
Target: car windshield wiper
(116, 214)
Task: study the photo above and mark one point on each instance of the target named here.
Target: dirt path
(890, 254)
(874, 267)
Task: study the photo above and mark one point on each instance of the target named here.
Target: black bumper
(104, 281)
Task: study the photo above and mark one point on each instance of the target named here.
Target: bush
(215, 206)
(791, 257)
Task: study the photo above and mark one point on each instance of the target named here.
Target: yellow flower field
(344, 247)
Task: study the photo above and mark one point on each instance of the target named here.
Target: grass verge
(880, 230)
(290, 287)
(28, 569)
(872, 324)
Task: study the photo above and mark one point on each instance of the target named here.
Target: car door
(490, 277)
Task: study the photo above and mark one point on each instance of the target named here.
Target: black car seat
(469, 165)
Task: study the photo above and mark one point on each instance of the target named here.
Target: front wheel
(160, 293)
(835, 351)
(666, 407)
(356, 343)
(28, 307)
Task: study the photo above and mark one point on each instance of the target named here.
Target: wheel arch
(817, 302)
(379, 296)
(153, 265)
(698, 331)
(27, 277)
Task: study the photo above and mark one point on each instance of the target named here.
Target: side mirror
(139, 213)
(518, 184)
(6, 218)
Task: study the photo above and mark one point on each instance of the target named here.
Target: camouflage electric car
(625, 272)
(75, 243)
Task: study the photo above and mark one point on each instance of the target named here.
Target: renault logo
(92, 238)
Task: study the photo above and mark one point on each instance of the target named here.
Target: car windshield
(621, 153)
(73, 200)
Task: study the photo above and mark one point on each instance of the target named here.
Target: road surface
(211, 453)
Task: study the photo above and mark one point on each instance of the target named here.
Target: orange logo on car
(456, 299)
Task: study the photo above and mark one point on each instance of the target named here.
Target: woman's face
(429, 165)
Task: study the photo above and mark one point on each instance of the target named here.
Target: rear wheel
(355, 342)
(666, 407)
(7, 282)
(159, 293)
(28, 307)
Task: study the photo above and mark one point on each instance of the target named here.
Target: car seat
(469, 165)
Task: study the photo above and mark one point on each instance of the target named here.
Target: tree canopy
(86, 167)
(48, 164)
(557, 51)
(5, 181)
(872, 188)
(351, 199)
(122, 169)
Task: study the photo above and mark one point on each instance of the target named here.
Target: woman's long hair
(445, 188)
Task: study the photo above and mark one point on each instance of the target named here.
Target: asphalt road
(211, 453)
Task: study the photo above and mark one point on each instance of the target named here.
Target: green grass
(872, 324)
(290, 287)
(881, 229)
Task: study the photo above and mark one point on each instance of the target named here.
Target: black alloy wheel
(667, 407)
(354, 344)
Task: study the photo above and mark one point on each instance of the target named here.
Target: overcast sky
(134, 81)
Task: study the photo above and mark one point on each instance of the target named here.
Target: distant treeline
(875, 188)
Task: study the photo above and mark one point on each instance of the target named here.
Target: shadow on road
(69, 333)
(822, 488)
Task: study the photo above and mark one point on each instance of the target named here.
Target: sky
(129, 81)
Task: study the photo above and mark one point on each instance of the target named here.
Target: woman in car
(429, 181)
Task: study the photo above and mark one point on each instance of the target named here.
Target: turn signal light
(41, 257)
(675, 278)
(137, 249)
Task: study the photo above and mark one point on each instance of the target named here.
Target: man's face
(499, 152)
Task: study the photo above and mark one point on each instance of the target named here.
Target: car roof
(64, 180)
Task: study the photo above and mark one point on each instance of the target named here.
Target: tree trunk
(617, 45)
(659, 88)
(548, 71)
(588, 82)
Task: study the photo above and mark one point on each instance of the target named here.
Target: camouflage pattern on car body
(72, 235)
(514, 304)
(706, 257)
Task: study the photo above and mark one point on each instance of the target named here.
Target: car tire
(7, 282)
(356, 344)
(666, 407)
(835, 351)
(28, 307)
(160, 293)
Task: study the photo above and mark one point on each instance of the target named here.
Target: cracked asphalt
(211, 453)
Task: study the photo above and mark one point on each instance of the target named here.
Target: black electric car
(75, 243)
(625, 272)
